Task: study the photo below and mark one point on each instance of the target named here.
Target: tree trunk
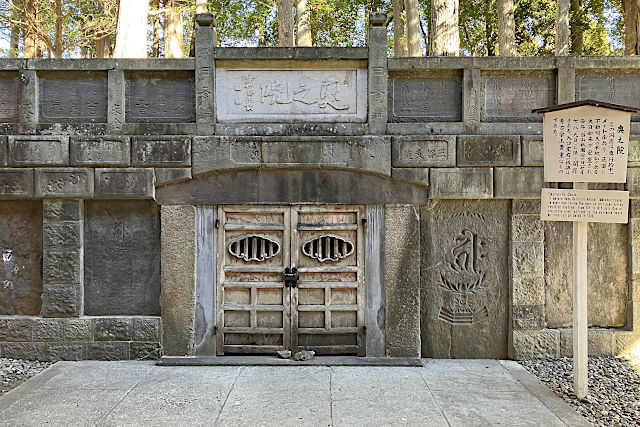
(631, 34)
(562, 28)
(413, 27)
(57, 39)
(103, 47)
(155, 29)
(398, 28)
(14, 42)
(285, 23)
(201, 6)
(173, 38)
(303, 16)
(30, 17)
(131, 32)
(577, 38)
(445, 38)
(506, 28)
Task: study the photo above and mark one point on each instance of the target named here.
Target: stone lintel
(518, 183)
(461, 183)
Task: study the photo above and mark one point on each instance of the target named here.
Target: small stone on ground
(304, 355)
(614, 388)
(14, 372)
(284, 354)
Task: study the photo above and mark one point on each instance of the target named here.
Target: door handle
(290, 277)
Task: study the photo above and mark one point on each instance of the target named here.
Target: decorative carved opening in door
(291, 278)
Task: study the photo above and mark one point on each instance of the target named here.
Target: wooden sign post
(585, 141)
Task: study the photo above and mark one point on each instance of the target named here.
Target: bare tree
(131, 32)
(506, 28)
(285, 23)
(562, 28)
(413, 27)
(303, 17)
(444, 37)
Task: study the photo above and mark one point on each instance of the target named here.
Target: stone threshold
(275, 361)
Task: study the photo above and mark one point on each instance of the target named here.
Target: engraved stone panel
(532, 151)
(437, 98)
(607, 272)
(489, 151)
(423, 152)
(11, 96)
(21, 252)
(465, 279)
(124, 183)
(290, 95)
(16, 183)
(122, 257)
(73, 96)
(510, 98)
(461, 183)
(623, 88)
(38, 150)
(105, 151)
(518, 182)
(64, 182)
(160, 97)
(167, 152)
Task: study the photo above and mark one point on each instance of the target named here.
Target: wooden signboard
(585, 205)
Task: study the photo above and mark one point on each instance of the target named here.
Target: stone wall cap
(585, 102)
(205, 19)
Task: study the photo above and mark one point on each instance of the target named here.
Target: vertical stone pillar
(472, 85)
(377, 73)
(566, 80)
(402, 280)
(205, 74)
(29, 101)
(178, 263)
(115, 101)
(633, 307)
(63, 258)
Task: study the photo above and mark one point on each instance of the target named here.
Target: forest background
(164, 28)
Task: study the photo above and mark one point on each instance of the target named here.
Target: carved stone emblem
(461, 280)
(327, 248)
(254, 248)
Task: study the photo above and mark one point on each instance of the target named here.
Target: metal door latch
(290, 277)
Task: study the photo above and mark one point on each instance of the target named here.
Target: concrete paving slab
(244, 360)
(456, 374)
(88, 375)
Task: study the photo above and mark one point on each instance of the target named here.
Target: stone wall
(447, 150)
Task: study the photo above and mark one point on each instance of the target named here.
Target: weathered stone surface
(178, 240)
(78, 330)
(103, 151)
(28, 100)
(528, 291)
(145, 351)
(461, 183)
(61, 210)
(16, 183)
(326, 95)
(113, 329)
(377, 75)
(77, 96)
(146, 329)
(3, 150)
(465, 279)
(10, 102)
(122, 258)
(402, 281)
(172, 175)
(527, 228)
(423, 151)
(529, 207)
(303, 355)
(16, 329)
(284, 354)
(43, 351)
(66, 234)
(625, 343)
(48, 330)
(488, 151)
(205, 40)
(518, 182)
(633, 159)
(64, 182)
(532, 151)
(123, 183)
(607, 271)
(161, 151)
(528, 317)
(21, 250)
(62, 266)
(61, 301)
(160, 97)
(599, 342)
(619, 89)
(527, 259)
(116, 100)
(363, 153)
(38, 150)
(510, 98)
(415, 175)
(542, 344)
(108, 351)
(633, 182)
(436, 98)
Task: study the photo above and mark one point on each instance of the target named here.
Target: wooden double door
(290, 278)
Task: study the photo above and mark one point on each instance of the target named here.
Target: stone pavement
(442, 393)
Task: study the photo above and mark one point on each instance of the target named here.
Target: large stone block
(532, 151)
(423, 151)
(414, 175)
(527, 259)
(16, 329)
(599, 342)
(108, 351)
(10, 102)
(518, 182)
(461, 183)
(113, 329)
(633, 182)
(172, 175)
(160, 97)
(16, 183)
(526, 207)
(66, 234)
(122, 258)
(402, 281)
(607, 271)
(621, 88)
(161, 151)
(62, 266)
(102, 151)
(626, 343)
(62, 210)
(510, 96)
(72, 96)
(64, 182)
(526, 228)
(527, 317)
(48, 330)
(3, 150)
(145, 351)
(61, 301)
(634, 152)
(124, 183)
(542, 344)
(435, 98)
(21, 254)
(78, 330)
(38, 150)
(43, 351)
(528, 291)
(146, 329)
(465, 279)
(488, 151)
